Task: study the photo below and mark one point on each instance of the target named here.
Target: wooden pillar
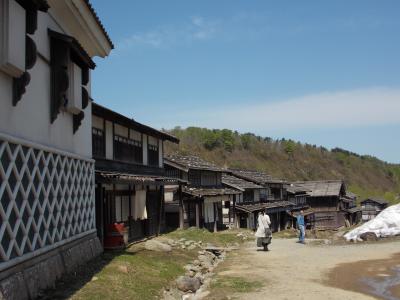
(215, 217)
(197, 215)
(279, 221)
(234, 211)
(161, 209)
(181, 211)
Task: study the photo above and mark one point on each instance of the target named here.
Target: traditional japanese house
(47, 204)
(199, 203)
(328, 201)
(249, 194)
(130, 177)
(298, 196)
(371, 207)
(272, 199)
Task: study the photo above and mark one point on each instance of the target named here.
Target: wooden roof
(118, 177)
(255, 176)
(322, 188)
(239, 183)
(263, 206)
(200, 192)
(111, 115)
(376, 200)
(187, 162)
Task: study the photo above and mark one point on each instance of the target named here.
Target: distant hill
(286, 159)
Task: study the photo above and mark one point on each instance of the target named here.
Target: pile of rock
(193, 285)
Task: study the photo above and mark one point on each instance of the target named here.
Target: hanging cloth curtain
(140, 205)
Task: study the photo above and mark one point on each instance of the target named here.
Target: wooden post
(234, 212)
(197, 215)
(215, 217)
(279, 221)
(161, 193)
(181, 211)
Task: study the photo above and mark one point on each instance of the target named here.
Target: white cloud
(343, 109)
(197, 29)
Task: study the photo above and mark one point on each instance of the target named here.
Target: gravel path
(296, 271)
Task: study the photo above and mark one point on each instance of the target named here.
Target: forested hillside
(365, 175)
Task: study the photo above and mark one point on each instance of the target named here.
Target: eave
(78, 20)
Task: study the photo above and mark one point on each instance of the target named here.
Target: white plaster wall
(97, 122)
(135, 135)
(120, 130)
(30, 119)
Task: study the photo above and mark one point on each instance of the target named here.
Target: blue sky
(321, 72)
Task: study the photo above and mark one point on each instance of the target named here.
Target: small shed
(371, 207)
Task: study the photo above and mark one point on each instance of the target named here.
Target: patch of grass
(134, 273)
(221, 238)
(230, 284)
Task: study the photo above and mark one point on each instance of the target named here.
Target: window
(128, 150)
(209, 179)
(263, 195)
(194, 178)
(98, 143)
(248, 196)
(153, 157)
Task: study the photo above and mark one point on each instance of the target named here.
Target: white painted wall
(160, 153)
(30, 119)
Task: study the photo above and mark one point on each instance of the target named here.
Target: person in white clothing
(263, 233)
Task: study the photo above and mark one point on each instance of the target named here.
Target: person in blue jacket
(302, 226)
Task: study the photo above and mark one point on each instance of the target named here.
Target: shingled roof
(377, 200)
(200, 192)
(321, 188)
(239, 183)
(255, 176)
(98, 21)
(263, 206)
(186, 162)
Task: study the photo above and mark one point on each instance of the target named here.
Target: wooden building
(249, 194)
(328, 200)
(272, 198)
(130, 177)
(371, 207)
(47, 204)
(199, 203)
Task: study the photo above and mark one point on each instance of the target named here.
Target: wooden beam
(197, 215)
(181, 211)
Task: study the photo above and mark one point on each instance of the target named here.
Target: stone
(187, 297)
(196, 262)
(94, 278)
(191, 273)
(368, 236)
(188, 243)
(186, 284)
(14, 287)
(123, 269)
(192, 247)
(153, 245)
(202, 295)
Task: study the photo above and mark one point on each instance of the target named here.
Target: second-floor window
(248, 196)
(128, 150)
(98, 143)
(153, 155)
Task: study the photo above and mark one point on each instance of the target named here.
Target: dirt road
(296, 271)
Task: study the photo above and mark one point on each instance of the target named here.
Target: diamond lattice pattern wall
(47, 199)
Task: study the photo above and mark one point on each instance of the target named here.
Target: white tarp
(387, 223)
